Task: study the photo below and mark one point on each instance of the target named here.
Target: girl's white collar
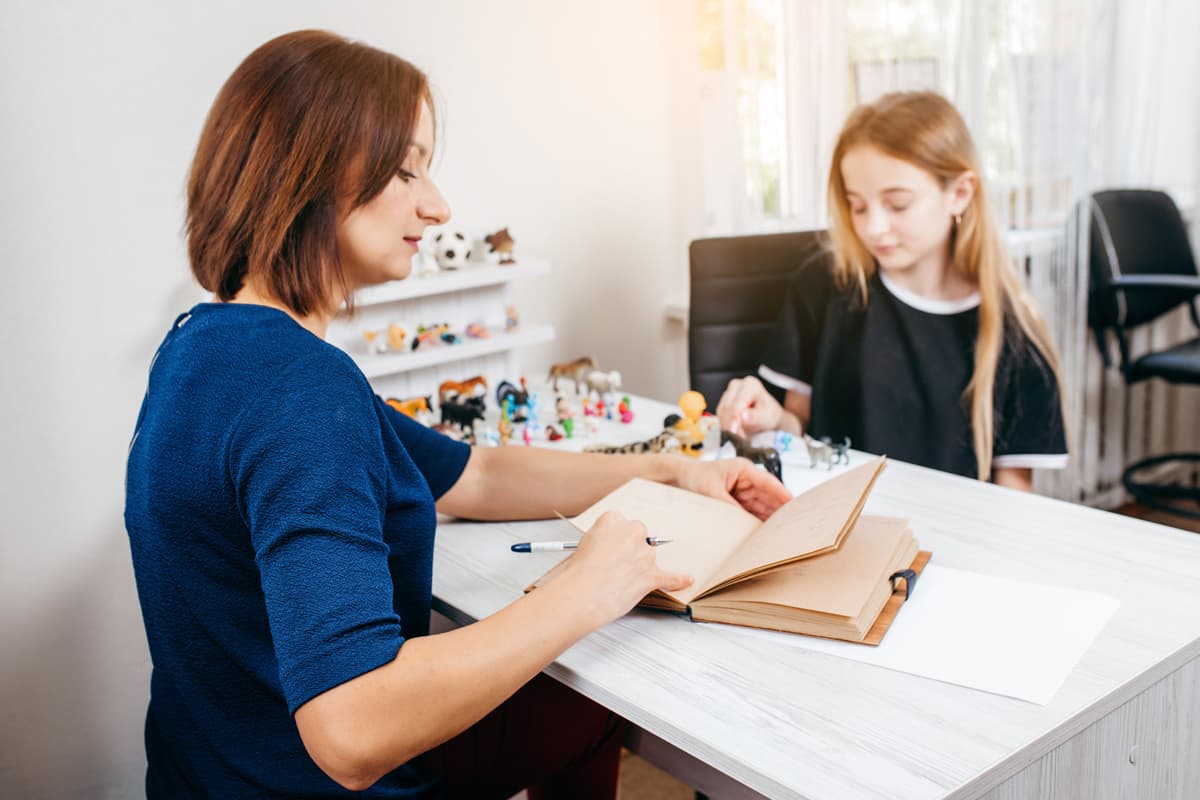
(926, 304)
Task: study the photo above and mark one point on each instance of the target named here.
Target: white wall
(571, 123)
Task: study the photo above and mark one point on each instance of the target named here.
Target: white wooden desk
(791, 723)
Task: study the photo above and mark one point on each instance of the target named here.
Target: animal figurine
(519, 398)
(462, 413)
(390, 338)
(767, 456)
(664, 442)
(430, 335)
(502, 244)
(512, 319)
(603, 383)
(451, 249)
(576, 370)
(687, 428)
(552, 433)
(476, 331)
(841, 450)
(376, 343)
(471, 387)
(413, 407)
(818, 452)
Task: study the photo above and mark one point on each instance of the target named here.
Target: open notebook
(816, 567)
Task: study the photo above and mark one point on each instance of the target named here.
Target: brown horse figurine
(576, 370)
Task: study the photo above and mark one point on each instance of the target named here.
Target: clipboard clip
(909, 576)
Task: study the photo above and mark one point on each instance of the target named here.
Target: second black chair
(1142, 268)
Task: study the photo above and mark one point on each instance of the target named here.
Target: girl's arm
(746, 407)
(1014, 478)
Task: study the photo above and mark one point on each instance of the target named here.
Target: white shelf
(375, 366)
(469, 277)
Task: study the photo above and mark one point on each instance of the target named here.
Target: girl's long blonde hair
(925, 130)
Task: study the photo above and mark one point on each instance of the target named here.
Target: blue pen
(554, 547)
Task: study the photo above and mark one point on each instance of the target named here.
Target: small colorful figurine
(625, 412)
(512, 319)
(552, 433)
(396, 335)
(688, 428)
(504, 428)
(518, 398)
(476, 331)
(502, 244)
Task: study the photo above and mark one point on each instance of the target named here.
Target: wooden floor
(1161, 517)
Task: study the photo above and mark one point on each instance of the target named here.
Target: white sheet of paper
(998, 635)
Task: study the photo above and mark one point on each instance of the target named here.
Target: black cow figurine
(463, 413)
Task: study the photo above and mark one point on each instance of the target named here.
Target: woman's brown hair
(307, 119)
(924, 129)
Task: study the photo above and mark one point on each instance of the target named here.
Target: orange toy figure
(410, 407)
(688, 429)
(471, 387)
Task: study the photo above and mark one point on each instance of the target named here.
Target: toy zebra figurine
(665, 442)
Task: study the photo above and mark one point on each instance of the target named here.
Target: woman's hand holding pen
(746, 407)
(613, 568)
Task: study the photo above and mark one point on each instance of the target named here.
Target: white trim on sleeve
(783, 381)
(1031, 461)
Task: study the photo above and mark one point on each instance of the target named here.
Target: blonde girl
(912, 335)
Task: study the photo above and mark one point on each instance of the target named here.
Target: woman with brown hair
(913, 335)
(281, 516)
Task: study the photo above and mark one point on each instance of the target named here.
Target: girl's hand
(613, 568)
(746, 407)
(737, 481)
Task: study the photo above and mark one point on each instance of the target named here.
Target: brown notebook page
(703, 531)
(812, 523)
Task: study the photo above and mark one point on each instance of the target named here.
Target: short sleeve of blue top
(281, 521)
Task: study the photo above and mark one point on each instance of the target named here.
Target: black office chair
(1141, 268)
(737, 288)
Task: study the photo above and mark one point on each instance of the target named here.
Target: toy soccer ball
(451, 249)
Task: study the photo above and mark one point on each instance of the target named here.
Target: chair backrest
(737, 288)
(1135, 232)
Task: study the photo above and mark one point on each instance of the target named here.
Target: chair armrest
(1129, 282)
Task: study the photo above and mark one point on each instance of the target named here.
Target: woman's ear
(962, 191)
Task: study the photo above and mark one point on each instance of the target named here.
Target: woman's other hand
(737, 481)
